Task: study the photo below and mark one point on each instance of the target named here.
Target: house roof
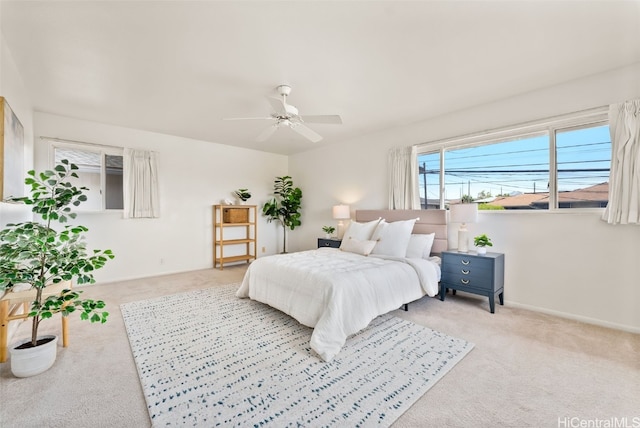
(597, 193)
(522, 200)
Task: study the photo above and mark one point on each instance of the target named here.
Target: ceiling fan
(287, 115)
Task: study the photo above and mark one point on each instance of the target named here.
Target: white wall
(568, 263)
(12, 88)
(194, 175)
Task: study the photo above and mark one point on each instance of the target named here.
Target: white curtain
(140, 182)
(403, 179)
(624, 179)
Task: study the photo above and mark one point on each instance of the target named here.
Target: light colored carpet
(207, 358)
(526, 370)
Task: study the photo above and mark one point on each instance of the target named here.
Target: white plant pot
(327, 235)
(33, 361)
(482, 250)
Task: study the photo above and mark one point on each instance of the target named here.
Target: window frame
(549, 127)
(89, 147)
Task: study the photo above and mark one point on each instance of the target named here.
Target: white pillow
(360, 231)
(357, 246)
(420, 245)
(393, 238)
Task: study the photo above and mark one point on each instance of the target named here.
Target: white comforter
(336, 292)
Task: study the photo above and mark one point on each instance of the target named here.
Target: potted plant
(284, 207)
(481, 242)
(35, 254)
(328, 230)
(242, 194)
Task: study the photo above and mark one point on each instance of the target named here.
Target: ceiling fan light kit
(287, 115)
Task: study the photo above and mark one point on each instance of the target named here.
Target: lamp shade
(341, 212)
(464, 213)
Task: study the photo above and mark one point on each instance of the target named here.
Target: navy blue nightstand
(473, 273)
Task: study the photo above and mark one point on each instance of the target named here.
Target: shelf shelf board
(235, 241)
(232, 259)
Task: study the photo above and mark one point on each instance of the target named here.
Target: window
(499, 169)
(584, 160)
(98, 170)
(559, 164)
(429, 178)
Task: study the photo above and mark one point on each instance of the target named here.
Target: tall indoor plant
(284, 207)
(37, 254)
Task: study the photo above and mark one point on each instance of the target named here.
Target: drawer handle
(465, 262)
(464, 281)
(326, 244)
(465, 272)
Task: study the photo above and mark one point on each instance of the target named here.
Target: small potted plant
(328, 230)
(242, 194)
(481, 242)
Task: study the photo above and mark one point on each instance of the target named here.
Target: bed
(338, 292)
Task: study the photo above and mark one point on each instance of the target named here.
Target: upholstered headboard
(431, 221)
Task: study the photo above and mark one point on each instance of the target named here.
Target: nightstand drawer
(477, 273)
(331, 243)
(477, 280)
(468, 262)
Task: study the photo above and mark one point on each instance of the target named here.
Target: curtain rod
(63, 140)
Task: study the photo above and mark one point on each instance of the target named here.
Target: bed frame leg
(406, 307)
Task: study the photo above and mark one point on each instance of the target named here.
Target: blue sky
(521, 165)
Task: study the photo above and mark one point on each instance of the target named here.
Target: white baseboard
(588, 320)
(135, 277)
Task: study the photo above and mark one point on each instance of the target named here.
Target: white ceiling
(179, 67)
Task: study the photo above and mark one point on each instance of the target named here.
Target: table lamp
(463, 214)
(340, 213)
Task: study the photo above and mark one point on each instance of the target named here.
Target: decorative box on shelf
(235, 214)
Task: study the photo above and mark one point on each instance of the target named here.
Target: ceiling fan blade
(322, 118)
(249, 118)
(267, 133)
(277, 105)
(306, 132)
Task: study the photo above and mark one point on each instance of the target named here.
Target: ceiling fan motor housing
(284, 90)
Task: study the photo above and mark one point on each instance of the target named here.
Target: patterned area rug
(207, 358)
